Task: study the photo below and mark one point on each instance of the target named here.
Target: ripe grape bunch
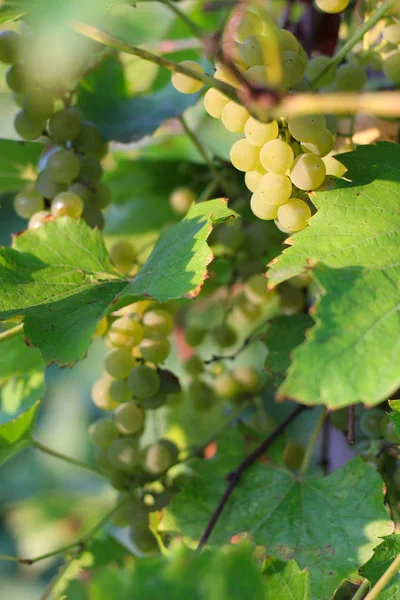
(68, 183)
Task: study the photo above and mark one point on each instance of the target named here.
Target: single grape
(10, 47)
(93, 216)
(67, 204)
(159, 457)
(103, 432)
(102, 195)
(248, 378)
(181, 199)
(294, 68)
(38, 219)
(123, 454)
(333, 166)
(234, 117)
(102, 461)
(308, 128)
(81, 190)
(388, 431)
(287, 41)
(89, 140)
(119, 391)
(259, 75)
(18, 78)
(123, 256)
(169, 383)
(226, 386)
(101, 396)
(256, 289)
(143, 382)
(244, 26)
(27, 203)
(274, 188)
(119, 362)
(64, 125)
(252, 179)
(322, 146)
(90, 170)
(101, 328)
(276, 156)
(391, 66)
(193, 366)
(293, 455)
(129, 418)
(316, 66)
(38, 104)
(332, 6)
(185, 84)
(224, 336)
(63, 166)
(258, 133)
(194, 335)
(155, 349)
(155, 401)
(244, 156)
(350, 78)
(226, 74)
(244, 311)
(294, 214)
(201, 395)
(263, 210)
(374, 61)
(126, 332)
(308, 172)
(120, 481)
(371, 423)
(27, 127)
(214, 102)
(158, 321)
(256, 50)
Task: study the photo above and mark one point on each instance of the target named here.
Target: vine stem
(198, 32)
(305, 465)
(67, 459)
(361, 590)
(384, 580)
(234, 477)
(10, 333)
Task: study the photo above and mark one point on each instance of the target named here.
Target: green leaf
(285, 580)
(395, 415)
(302, 519)
(16, 434)
(17, 163)
(383, 557)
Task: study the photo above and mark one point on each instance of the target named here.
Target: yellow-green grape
(93, 216)
(322, 146)
(293, 455)
(258, 133)
(255, 50)
(123, 256)
(47, 187)
(119, 391)
(129, 418)
(226, 386)
(252, 179)
(287, 41)
(374, 61)
(155, 349)
(308, 172)
(234, 117)
(256, 289)
(333, 166)
(214, 102)
(194, 335)
(63, 166)
(308, 128)
(38, 219)
(67, 204)
(103, 432)
(294, 68)
(391, 66)
(224, 336)
(302, 86)
(119, 362)
(126, 332)
(246, 311)
(158, 321)
(263, 210)
(27, 127)
(10, 47)
(185, 84)
(258, 75)
(248, 379)
(274, 188)
(27, 203)
(231, 51)
(143, 382)
(101, 328)
(89, 140)
(294, 214)
(350, 78)
(193, 366)
(102, 195)
(123, 454)
(225, 74)
(64, 125)
(391, 33)
(318, 64)
(332, 6)
(181, 199)
(101, 394)
(244, 156)
(159, 457)
(18, 78)
(90, 171)
(243, 26)
(155, 401)
(276, 156)
(38, 104)
(281, 227)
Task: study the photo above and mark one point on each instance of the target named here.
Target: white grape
(308, 172)
(276, 156)
(244, 156)
(263, 210)
(274, 188)
(294, 214)
(258, 133)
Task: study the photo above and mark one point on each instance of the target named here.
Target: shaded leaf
(395, 415)
(17, 163)
(285, 580)
(381, 560)
(16, 434)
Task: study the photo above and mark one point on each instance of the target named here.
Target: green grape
(120, 481)
(155, 349)
(131, 511)
(27, 127)
(119, 362)
(81, 190)
(27, 203)
(308, 172)
(119, 391)
(64, 125)
(10, 47)
(185, 84)
(333, 166)
(38, 219)
(234, 117)
(169, 383)
(316, 66)
(258, 133)
(101, 394)
(158, 321)
(391, 66)
(248, 379)
(90, 170)
(123, 256)
(256, 290)
(294, 215)
(231, 236)
(47, 187)
(39, 104)
(93, 216)
(388, 431)
(123, 454)
(224, 336)
(287, 41)
(63, 166)
(103, 432)
(18, 79)
(332, 6)
(274, 189)
(101, 328)
(350, 78)
(322, 146)
(66, 204)
(129, 418)
(201, 395)
(293, 455)
(193, 366)
(77, 112)
(263, 210)
(243, 26)
(144, 542)
(371, 423)
(159, 457)
(374, 61)
(126, 332)
(155, 401)
(294, 68)
(245, 311)
(276, 156)
(252, 179)
(102, 460)
(226, 386)
(181, 199)
(89, 140)
(259, 75)
(194, 335)
(308, 128)
(302, 86)
(255, 50)
(244, 156)
(143, 382)
(214, 102)
(102, 195)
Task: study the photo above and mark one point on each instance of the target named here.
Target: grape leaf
(17, 163)
(285, 580)
(395, 415)
(59, 277)
(383, 556)
(286, 513)
(16, 434)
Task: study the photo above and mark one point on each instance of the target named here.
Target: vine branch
(361, 590)
(10, 333)
(384, 580)
(197, 30)
(67, 459)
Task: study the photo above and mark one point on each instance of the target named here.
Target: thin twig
(363, 589)
(67, 459)
(197, 30)
(350, 425)
(326, 431)
(10, 333)
(384, 580)
(234, 477)
(311, 443)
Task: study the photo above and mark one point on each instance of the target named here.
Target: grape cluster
(70, 171)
